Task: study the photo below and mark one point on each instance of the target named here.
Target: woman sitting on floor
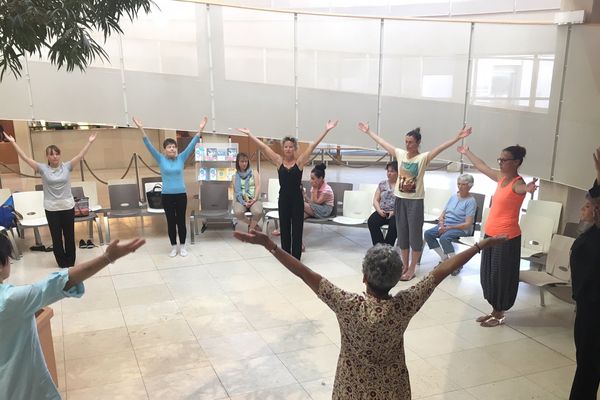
(371, 363)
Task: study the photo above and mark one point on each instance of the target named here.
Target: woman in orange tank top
(500, 265)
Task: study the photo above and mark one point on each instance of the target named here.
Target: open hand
(466, 131)
(330, 125)
(115, 250)
(596, 159)
(253, 237)
(463, 149)
(244, 130)
(363, 127)
(531, 186)
(203, 124)
(92, 138)
(9, 138)
(137, 122)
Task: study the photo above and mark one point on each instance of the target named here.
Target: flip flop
(483, 318)
(492, 322)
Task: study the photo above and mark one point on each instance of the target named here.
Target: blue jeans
(432, 235)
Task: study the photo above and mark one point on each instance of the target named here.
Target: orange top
(505, 211)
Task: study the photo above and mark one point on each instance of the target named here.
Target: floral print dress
(371, 364)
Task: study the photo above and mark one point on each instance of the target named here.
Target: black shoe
(89, 244)
(49, 249)
(82, 244)
(40, 247)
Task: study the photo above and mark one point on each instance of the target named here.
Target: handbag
(82, 206)
(154, 197)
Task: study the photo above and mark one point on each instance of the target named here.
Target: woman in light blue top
(23, 370)
(174, 198)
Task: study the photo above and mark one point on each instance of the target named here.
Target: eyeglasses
(503, 160)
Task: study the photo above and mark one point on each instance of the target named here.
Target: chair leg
(16, 250)
(38, 238)
(107, 223)
(90, 225)
(192, 231)
(99, 229)
(542, 299)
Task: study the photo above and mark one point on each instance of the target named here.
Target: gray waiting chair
(91, 218)
(124, 203)
(214, 205)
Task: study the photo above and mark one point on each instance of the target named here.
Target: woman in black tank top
(289, 169)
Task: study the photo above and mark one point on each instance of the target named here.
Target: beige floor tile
(527, 356)
(456, 395)
(225, 269)
(450, 310)
(432, 341)
(220, 324)
(164, 261)
(160, 360)
(198, 383)
(331, 328)
(159, 334)
(427, 380)
(269, 315)
(480, 336)
(252, 374)
(290, 392)
(90, 301)
(144, 314)
(132, 389)
(294, 337)
(137, 279)
(239, 282)
(87, 321)
(256, 297)
(138, 262)
(193, 307)
(556, 381)
(472, 367)
(319, 389)
(144, 295)
(96, 343)
(235, 347)
(98, 370)
(512, 389)
(312, 363)
(561, 342)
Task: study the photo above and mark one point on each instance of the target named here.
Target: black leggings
(291, 224)
(62, 223)
(587, 346)
(375, 222)
(175, 206)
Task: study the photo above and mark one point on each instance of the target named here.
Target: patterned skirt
(500, 273)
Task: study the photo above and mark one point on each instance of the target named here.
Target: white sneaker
(173, 252)
(183, 251)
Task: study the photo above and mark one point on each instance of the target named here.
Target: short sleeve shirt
(57, 186)
(410, 175)
(458, 209)
(326, 190)
(371, 363)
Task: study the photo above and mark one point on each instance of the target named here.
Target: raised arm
(192, 144)
(479, 164)
(114, 251)
(520, 187)
(83, 151)
(155, 153)
(311, 278)
(364, 127)
(304, 157)
(274, 157)
(453, 263)
(31, 162)
(597, 165)
(464, 132)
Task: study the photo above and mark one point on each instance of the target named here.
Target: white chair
(272, 195)
(357, 208)
(536, 235)
(549, 209)
(434, 203)
(4, 195)
(557, 267)
(31, 206)
(371, 188)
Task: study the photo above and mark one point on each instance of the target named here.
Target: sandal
(484, 318)
(492, 322)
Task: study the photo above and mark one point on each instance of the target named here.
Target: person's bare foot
(276, 232)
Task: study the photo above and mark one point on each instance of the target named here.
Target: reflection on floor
(229, 322)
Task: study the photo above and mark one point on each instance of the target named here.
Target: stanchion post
(137, 175)
(81, 169)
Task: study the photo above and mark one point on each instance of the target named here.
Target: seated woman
(371, 363)
(455, 221)
(384, 201)
(246, 187)
(320, 202)
(23, 371)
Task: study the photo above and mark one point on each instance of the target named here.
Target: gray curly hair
(382, 267)
(467, 178)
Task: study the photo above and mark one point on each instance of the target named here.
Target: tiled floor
(229, 322)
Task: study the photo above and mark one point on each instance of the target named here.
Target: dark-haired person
(174, 197)
(384, 201)
(371, 364)
(320, 202)
(246, 189)
(23, 371)
(585, 277)
(291, 200)
(410, 191)
(58, 199)
(500, 265)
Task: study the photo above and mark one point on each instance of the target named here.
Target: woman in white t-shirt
(410, 191)
(58, 199)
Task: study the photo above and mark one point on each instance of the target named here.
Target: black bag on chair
(154, 197)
